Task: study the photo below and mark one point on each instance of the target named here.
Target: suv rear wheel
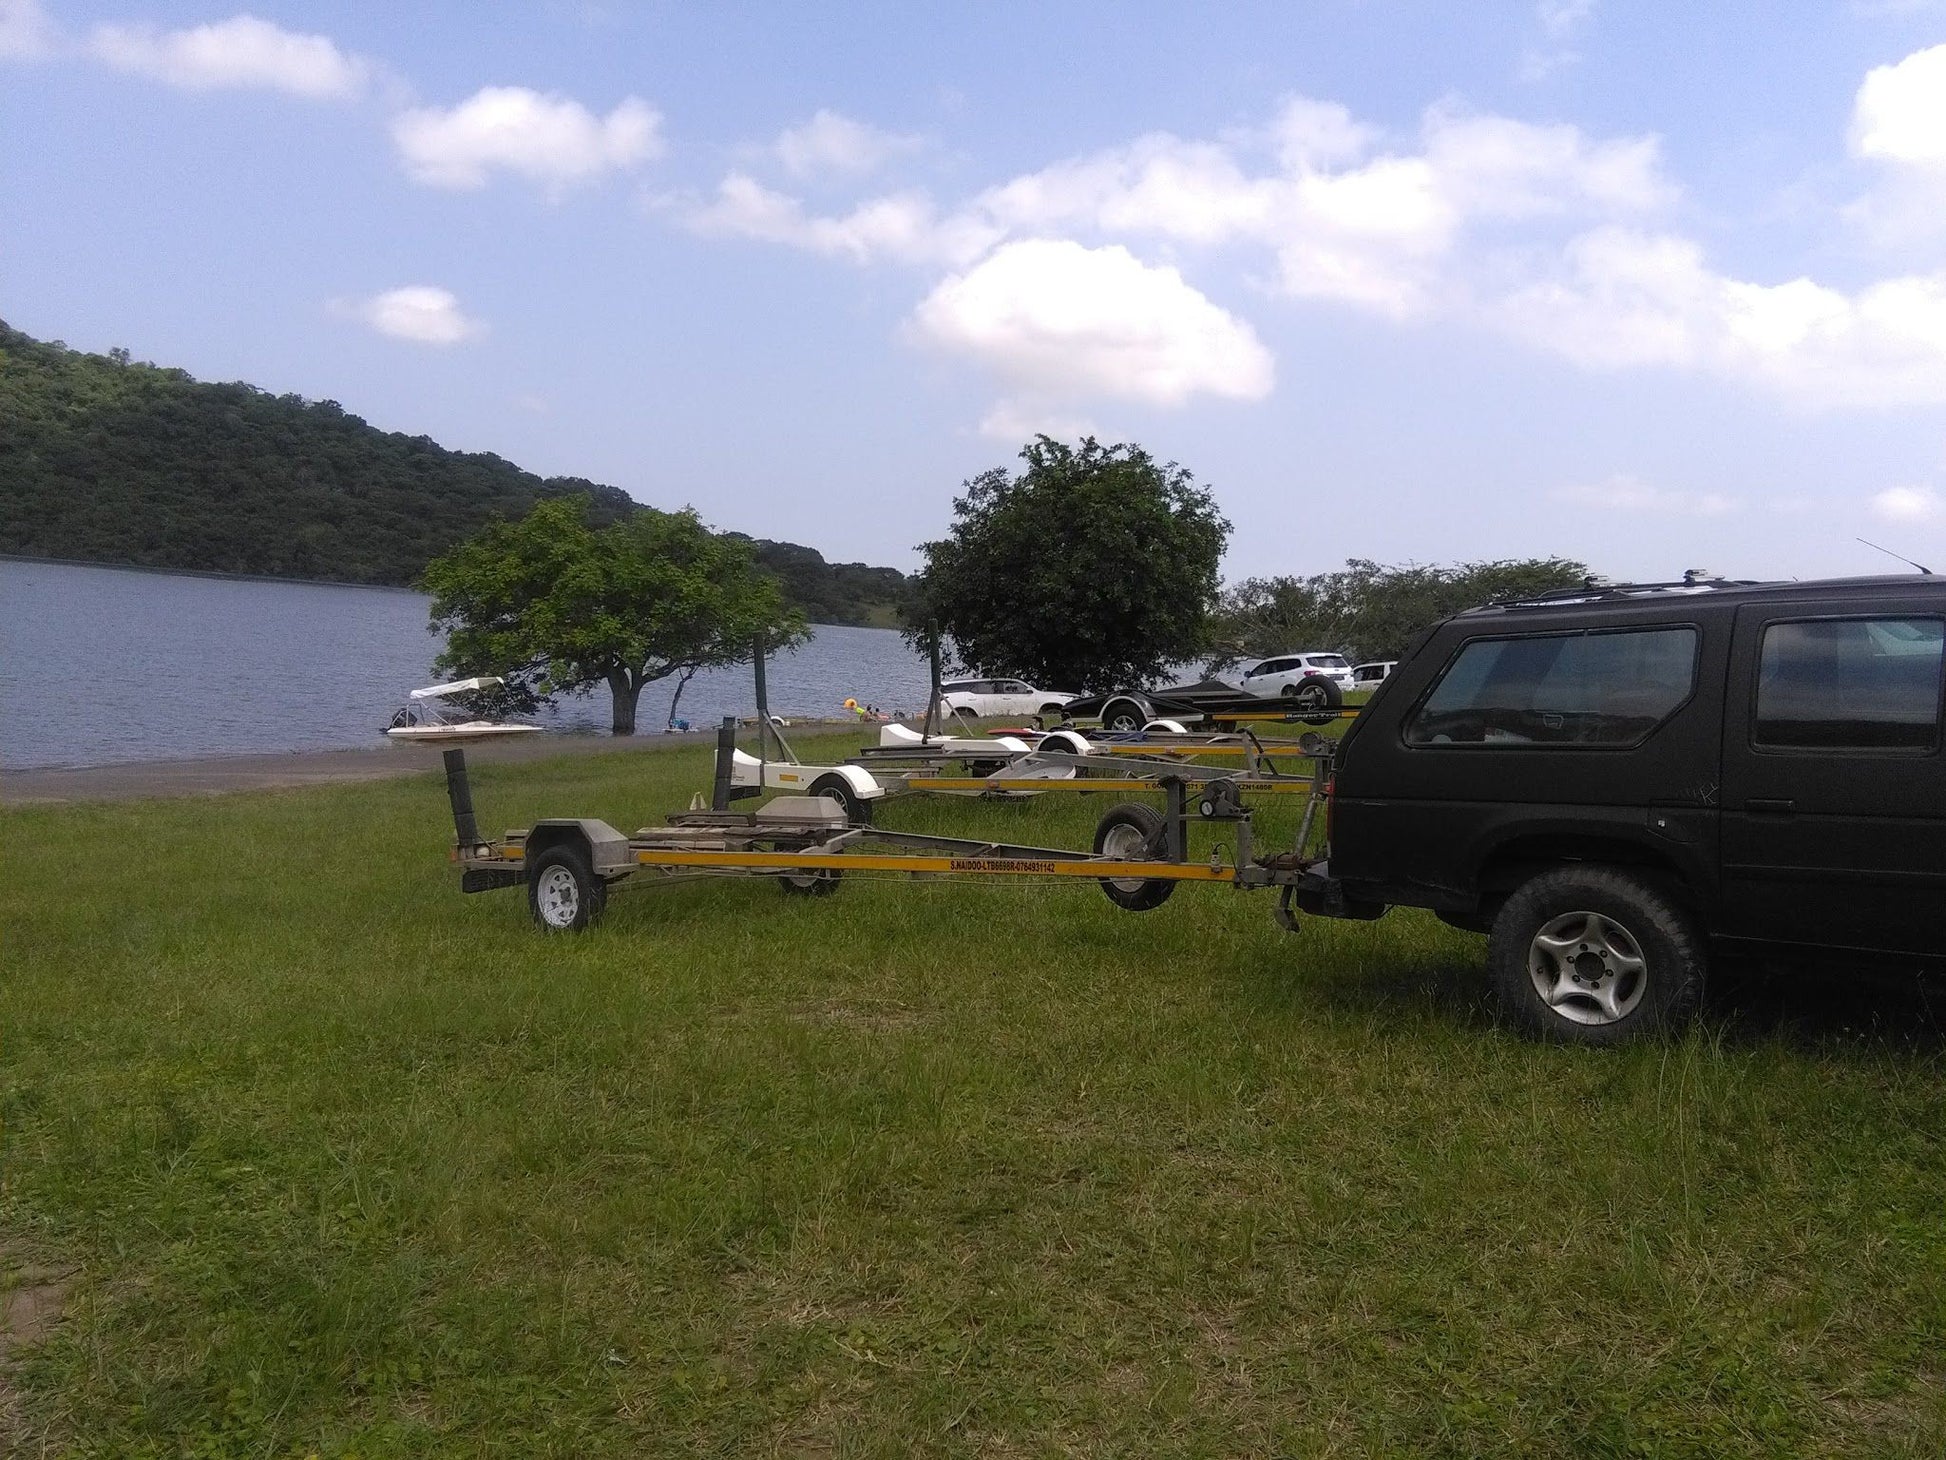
(1595, 955)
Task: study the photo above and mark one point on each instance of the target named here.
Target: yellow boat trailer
(1139, 855)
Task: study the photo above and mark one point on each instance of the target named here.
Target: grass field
(344, 1163)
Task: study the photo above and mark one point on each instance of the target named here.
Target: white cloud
(1342, 219)
(547, 139)
(1495, 167)
(1540, 232)
(26, 34)
(1058, 322)
(1906, 504)
(422, 313)
(1900, 111)
(831, 143)
(1633, 299)
(1560, 17)
(1022, 420)
(903, 227)
(1559, 20)
(1343, 223)
(1311, 134)
(240, 52)
(1624, 493)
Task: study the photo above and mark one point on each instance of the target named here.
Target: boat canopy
(457, 687)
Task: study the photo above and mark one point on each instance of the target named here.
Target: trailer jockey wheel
(1133, 833)
(821, 883)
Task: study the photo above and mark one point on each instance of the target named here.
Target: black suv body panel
(1834, 846)
(1845, 847)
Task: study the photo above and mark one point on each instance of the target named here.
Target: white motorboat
(428, 718)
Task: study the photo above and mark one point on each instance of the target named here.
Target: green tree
(1092, 569)
(559, 605)
(1368, 610)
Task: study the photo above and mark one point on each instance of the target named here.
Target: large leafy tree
(1368, 610)
(559, 605)
(1092, 569)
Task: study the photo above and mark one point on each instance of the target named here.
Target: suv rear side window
(1598, 691)
(1850, 684)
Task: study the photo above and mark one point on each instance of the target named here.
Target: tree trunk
(676, 699)
(627, 689)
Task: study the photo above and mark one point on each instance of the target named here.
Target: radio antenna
(1900, 556)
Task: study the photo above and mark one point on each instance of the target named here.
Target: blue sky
(1655, 287)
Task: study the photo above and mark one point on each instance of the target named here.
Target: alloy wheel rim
(1588, 968)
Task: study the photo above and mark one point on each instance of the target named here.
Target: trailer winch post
(763, 716)
(932, 695)
(459, 791)
(726, 745)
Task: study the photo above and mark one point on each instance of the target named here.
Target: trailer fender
(1067, 742)
(1126, 712)
(606, 848)
(863, 783)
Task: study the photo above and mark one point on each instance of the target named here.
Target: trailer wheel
(1595, 955)
(1316, 699)
(1124, 714)
(821, 883)
(1133, 832)
(858, 812)
(563, 893)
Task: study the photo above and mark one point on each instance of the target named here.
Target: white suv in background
(1283, 674)
(1371, 676)
(985, 697)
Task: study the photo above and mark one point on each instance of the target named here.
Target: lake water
(105, 665)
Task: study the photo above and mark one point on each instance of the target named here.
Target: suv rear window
(1850, 684)
(1599, 690)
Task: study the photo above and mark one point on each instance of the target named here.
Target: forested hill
(108, 460)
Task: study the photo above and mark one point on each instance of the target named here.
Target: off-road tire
(1137, 831)
(1636, 913)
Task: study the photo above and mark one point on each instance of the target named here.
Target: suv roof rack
(1598, 590)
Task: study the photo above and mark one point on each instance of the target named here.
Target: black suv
(1614, 781)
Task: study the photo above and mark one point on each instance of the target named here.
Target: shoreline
(218, 775)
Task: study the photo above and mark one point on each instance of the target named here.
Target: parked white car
(1282, 675)
(985, 697)
(1371, 676)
